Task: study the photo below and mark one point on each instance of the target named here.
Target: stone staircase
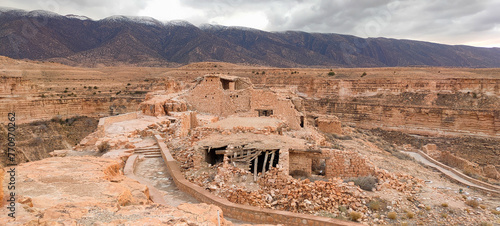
(149, 152)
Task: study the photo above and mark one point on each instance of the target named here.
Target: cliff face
(35, 140)
(424, 106)
(42, 109)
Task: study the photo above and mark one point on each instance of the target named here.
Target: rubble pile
(276, 190)
(286, 193)
(398, 181)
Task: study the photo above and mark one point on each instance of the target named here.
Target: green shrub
(331, 73)
(364, 74)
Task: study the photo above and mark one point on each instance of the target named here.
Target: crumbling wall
(188, 121)
(329, 124)
(280, 105)
(300, 162)
(284, 160)
(210, 97)
(449, 159)
(346, 164)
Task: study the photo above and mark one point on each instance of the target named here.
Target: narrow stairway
(149, 152)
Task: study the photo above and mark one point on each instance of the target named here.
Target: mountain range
(144, 41)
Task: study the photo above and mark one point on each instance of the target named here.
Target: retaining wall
(128, 170)
(238, 211)
(485, 187)
(106, 121)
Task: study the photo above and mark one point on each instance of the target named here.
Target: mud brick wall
(281, 106)
(210, 97)
(329, 124)
(347, 164)
(239, 211)
(300, 161)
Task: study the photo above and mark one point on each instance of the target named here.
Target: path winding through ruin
(448, 173)
(155, 170)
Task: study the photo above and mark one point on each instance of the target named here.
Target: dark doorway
(212, 157)
(261, 158)
(265, 113)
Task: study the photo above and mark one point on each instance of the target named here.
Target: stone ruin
(260, 128)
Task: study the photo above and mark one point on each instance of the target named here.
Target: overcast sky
(468, 22)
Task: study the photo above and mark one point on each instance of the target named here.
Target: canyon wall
(33, 109)
(423, 106)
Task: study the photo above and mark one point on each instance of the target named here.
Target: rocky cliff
(425, 106)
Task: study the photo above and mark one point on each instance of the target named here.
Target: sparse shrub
(331, 73)
(472, 203)
(43, 96)
(103, 147)
(377, 204)
(342, 209)
(128, 84)
(95, 87)
(482, 206)
(486, 224)
(401, 155)
(340, 137)
(410, 215)
(374, 205)
(392, 215)
(65, 91)
(364, 74)
(496, 212)
(118, 92)
(366, 183)
(263, 72)
(355, 215)
(444, 204)
(428, 208)
(84, 87)
(444, 215)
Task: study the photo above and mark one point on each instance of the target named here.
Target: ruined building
(258, 128)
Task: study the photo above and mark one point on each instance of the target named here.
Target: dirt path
(448, 173)
(155, 170)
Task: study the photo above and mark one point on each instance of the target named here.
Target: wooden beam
(255, 166)
(272, 160)
(265, 161)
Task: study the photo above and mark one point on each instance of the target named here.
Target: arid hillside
(434, 103)
(145, 41)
